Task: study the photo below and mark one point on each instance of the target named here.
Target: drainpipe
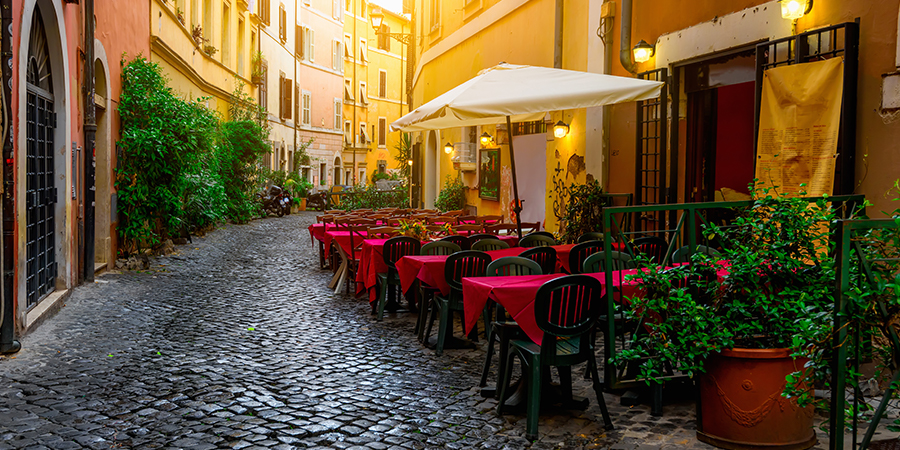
(90, 134)
(8, 342)
(558, 35)
(625, 49)
(296, 87)
(606, 36)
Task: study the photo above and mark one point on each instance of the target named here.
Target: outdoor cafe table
(516, 295)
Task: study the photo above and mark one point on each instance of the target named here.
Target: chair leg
(504, 379)
(382, 299)
(534, 398)
(487, 359)
(446, 321)
(565, 382)
(429, 324)
(598, 389)
(656, 406)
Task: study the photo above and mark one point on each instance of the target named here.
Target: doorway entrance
(40, 196)
(719, 161)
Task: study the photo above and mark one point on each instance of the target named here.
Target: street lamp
(642, 51)
(560, 130)
(448, 148)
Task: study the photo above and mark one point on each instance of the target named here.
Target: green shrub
(369, 197)
(452, 196)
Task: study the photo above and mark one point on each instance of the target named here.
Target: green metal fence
(689, 220)
(861, 252)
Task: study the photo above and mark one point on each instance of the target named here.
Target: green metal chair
(502, 328)
(591, 236)
(394, 249)
(467, 263)
(565, 309)
(487, 245)
(537, 240)
(653, 247)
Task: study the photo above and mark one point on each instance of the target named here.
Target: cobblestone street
(234, 341)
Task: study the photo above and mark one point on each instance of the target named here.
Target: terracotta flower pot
(741, 406)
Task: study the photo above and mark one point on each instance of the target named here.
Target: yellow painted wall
(191, 71)
(523, 36)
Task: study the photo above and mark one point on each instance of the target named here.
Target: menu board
(799, 119)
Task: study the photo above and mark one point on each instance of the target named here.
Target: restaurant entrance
(719, 126)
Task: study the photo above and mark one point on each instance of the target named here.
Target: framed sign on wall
(489, 174)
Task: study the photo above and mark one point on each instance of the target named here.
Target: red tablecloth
(430, 269)
(317, 231)
(516, 294)
(342, 238)
(563, 251)
(371, 263)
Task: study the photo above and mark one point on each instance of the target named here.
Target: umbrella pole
(517, 207)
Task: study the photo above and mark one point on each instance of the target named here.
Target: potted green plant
(746, 332)
(452, 196)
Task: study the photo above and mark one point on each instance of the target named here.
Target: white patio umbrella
(521, 94)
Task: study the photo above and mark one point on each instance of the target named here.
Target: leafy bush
(182, 168)
(583, 210)
(369, 197)
(452, 196)
(163, 138)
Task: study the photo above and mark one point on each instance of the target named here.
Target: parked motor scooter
(276, 201)
(316, 201)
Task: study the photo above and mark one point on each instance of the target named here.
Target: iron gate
(40, 199)
(650, 179)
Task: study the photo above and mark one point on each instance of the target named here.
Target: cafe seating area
(441, 266)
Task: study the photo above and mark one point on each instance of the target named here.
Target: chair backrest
(683, 254)
(358, 234)
(456, 213)
(513, 266)
(468, 228)
(567, 307)
(597, 262)
(541, 233)
(591, 236)
(382, 232)
(441, 220)
(653, 247)
(492, 219)
(467, 263)
(325, 218)
(537, 240)
(477, 237)
(497, 228)
(531, 227)
(398, 247)
(580, 252)
(439, 248)
(466, 219)
(487, 245)
(544, 256)
(462, 241)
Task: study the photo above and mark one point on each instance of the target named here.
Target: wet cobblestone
(235, 342)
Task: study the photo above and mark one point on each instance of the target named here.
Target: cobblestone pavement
(234, 341)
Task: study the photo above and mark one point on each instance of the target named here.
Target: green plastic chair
(545, 256)
(426, 293)
(591, 236)
(467, 263)
(439, 248)
(580, 252)
(565, 309)
(537, 240)
(487, 245)
(653, 247)
(683, 254)
(597, 262)
(394, 249)
(458, 239)
(502, 328)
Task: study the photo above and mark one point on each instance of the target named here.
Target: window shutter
(281, 95)
(311, 37)
(288, 89)
(298, 42)
(382, 132)
(382, 84)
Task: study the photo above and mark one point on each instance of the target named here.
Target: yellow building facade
(375, 72)
(456, 44)
(205, 47)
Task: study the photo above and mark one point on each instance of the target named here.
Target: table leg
(340, 277)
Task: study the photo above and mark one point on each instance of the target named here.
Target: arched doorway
(103, 169)
(40, 173)
(337, 171)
